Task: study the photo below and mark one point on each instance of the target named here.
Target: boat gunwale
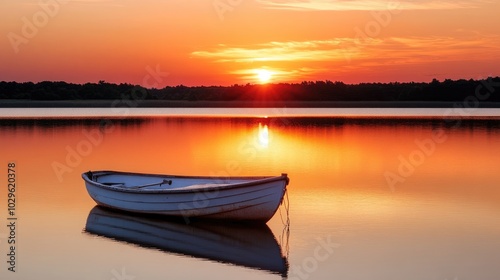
(255, 180)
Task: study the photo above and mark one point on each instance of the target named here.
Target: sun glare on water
(263, 135)
(264, 76)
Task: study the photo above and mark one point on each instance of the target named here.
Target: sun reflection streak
(263, 135)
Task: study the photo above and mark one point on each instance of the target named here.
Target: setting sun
(264, 76)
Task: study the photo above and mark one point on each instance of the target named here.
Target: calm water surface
(369, 198)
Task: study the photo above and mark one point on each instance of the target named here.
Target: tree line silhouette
(484, 90)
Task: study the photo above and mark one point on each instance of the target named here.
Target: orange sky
(222, 42)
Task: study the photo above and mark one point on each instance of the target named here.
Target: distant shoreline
(319, 94)
(11, 103)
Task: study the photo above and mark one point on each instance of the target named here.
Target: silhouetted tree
(446, 91)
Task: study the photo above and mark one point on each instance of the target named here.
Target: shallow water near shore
(369, 198)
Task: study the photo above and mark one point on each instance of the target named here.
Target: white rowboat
(230, 198)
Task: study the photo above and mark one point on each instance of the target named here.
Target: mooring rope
(286, 204)
(285, 234)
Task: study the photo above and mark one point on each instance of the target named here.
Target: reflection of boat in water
(246, 245)
(228, 198)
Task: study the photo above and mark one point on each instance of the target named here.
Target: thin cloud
(278, 74)
(337, 49)
(277, 51)
(348, 54)
(114, 3)
(367, 5)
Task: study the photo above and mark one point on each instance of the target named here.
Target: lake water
(369, 197)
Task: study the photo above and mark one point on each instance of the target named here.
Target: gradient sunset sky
(156, 43)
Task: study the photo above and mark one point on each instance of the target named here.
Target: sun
(263, 75)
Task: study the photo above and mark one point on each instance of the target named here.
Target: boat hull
(240, 198)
